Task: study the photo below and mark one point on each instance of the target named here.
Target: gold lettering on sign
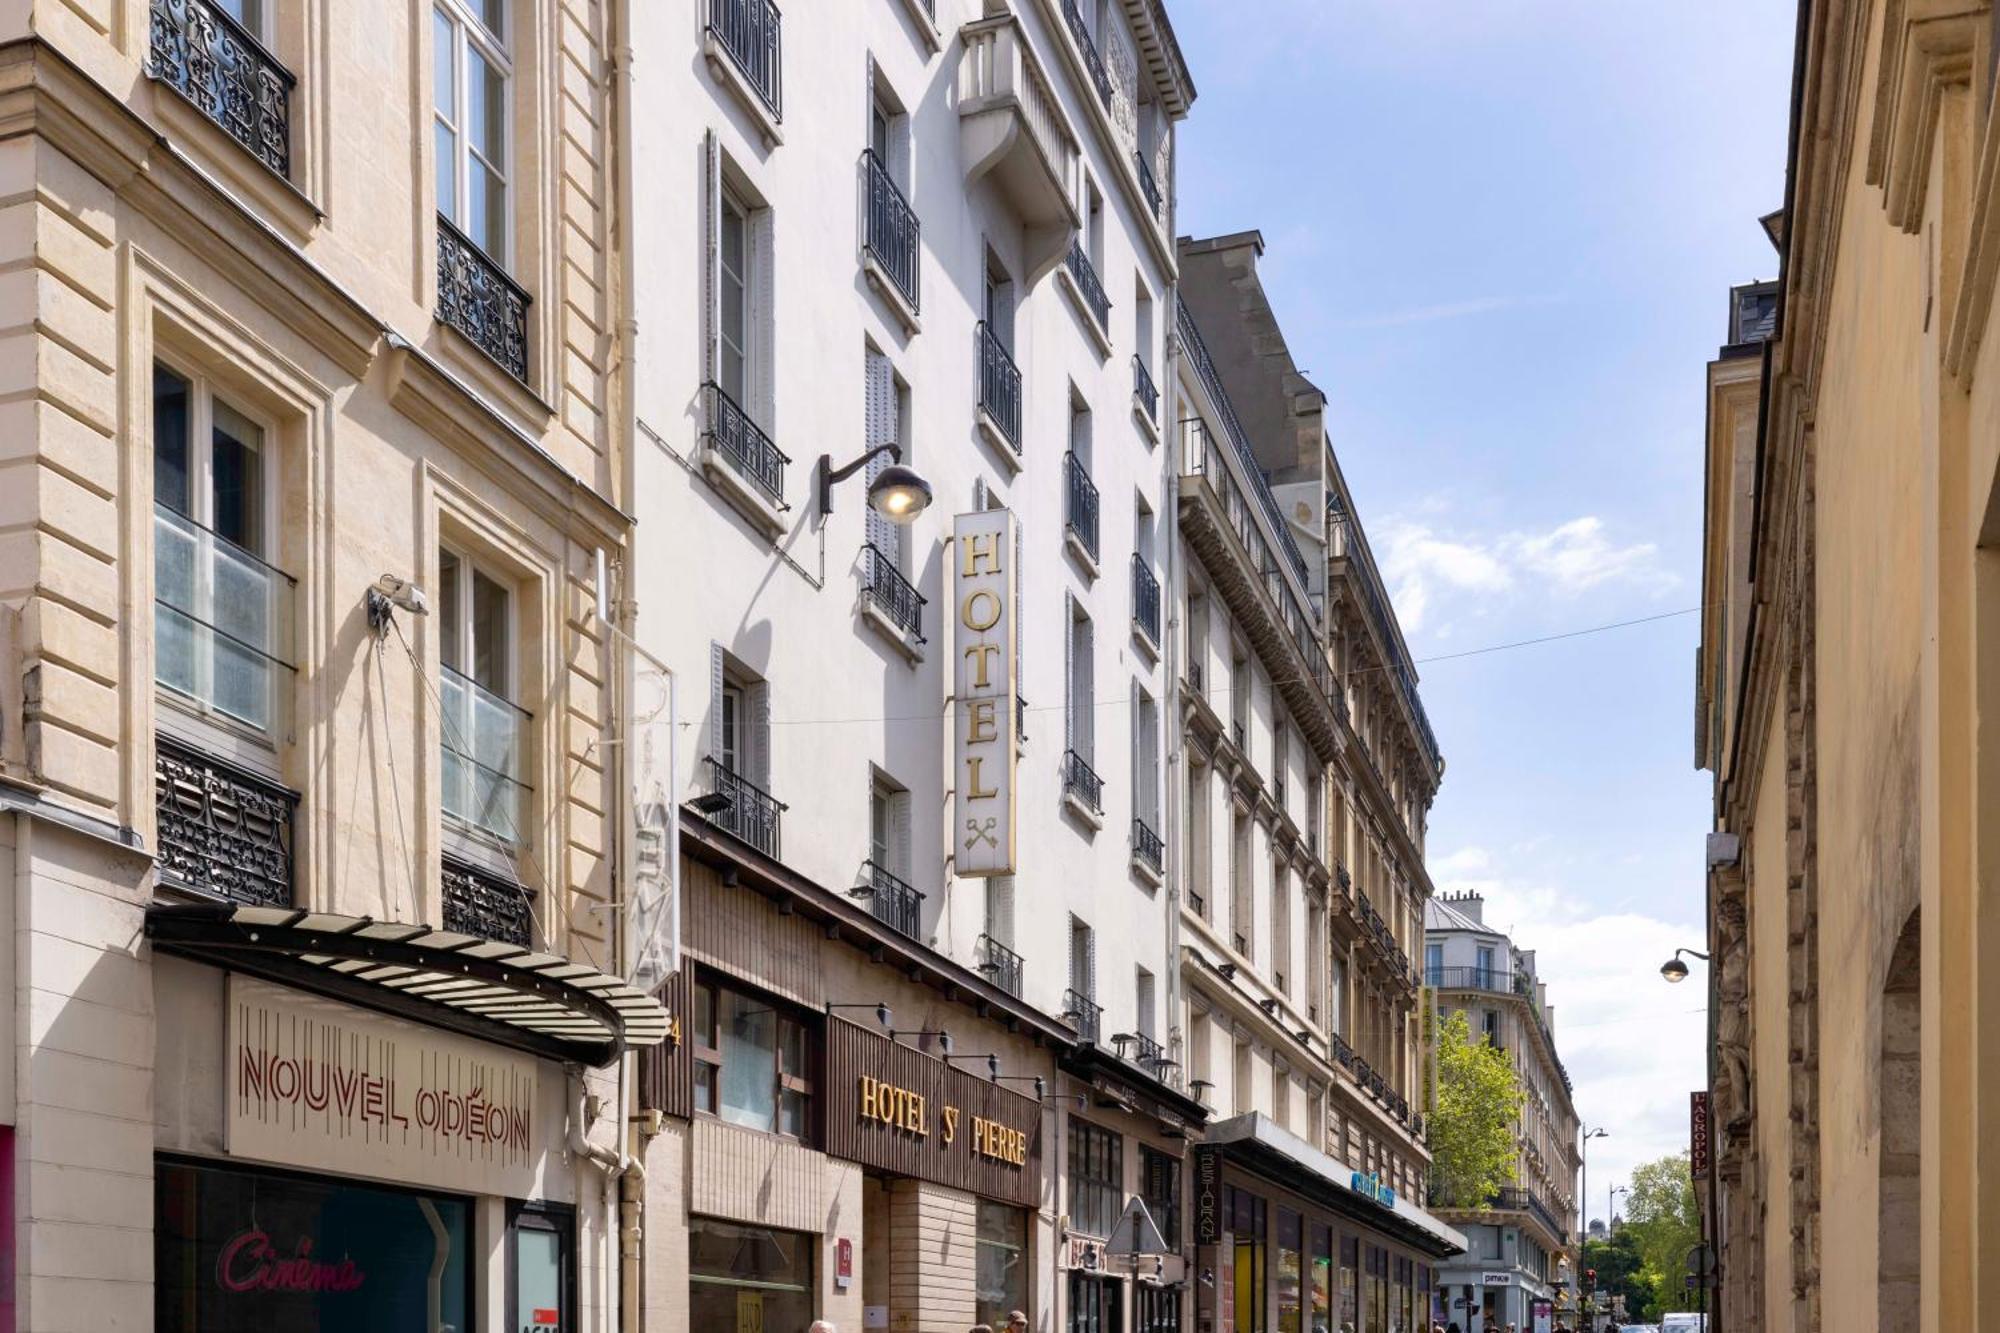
(992, 1139)
(988, 614)
(984, 691)
(898, 1108)
(981, 548)
(950, 1122)
(979, 654)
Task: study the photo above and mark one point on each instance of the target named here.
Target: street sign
(1136, 1233)
(1701, 1261)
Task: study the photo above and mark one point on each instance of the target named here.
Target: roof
(1441, 915)
(536, 1003)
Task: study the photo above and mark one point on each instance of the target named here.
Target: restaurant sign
(316, 1084)
(1698, 1135)
(894, 1107)
(984, 732)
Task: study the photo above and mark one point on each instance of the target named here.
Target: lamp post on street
(1611, 1207)
(1583, 1193)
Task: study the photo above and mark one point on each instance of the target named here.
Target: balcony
(753, 814)
(890, 593)
(1011, 127)
(476, 297)
(751, 34)
(1343, 1054)
(1147, 847)
(1514, 1199)
(482, 752)
(999, 387)
(206, 56)
(1145, 600)
(1150, 186)
(222, 624)
(743, 448)
(486, 905)
(1000, 965)
(1100, 78)
(1144, 1052)
(224, 832)
(1145, 392)
(893, 240)
(1083, 274)
(892, 901)
(1080, 513)
(1498, 981)
(1080, 783)
(1083, 1014)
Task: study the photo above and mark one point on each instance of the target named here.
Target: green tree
(1621, 1270)
(1472, 1128)
(1664, 1220)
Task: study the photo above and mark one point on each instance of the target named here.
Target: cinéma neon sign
(249, 1262)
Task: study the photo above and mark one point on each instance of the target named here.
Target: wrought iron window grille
(198, 50)
(476, 297)
(223, 832)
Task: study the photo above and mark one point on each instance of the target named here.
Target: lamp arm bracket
(895, 452)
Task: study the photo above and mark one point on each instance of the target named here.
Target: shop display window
(1003, 1266)
(751, 1061)
(1322, 1280)
(742, 1277)
(1093, 1304)
(1287, 1291)
(1247, 1225)
(1350, 1284)
(241, 1251)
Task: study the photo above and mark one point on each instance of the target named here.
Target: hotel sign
(985, 738)
(316, 1084)
(894, 1107)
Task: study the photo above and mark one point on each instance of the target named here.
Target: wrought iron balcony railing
(223, 831)
(1343, 1054)
(1000, 965)
(1149, 185)
(482, 750)
(1100, 78)
(1081, 781)
(752, 814)
(1084, 1014)
(1085, 274)
(891, 593)
(209, 58)
(476, 297)
(893, 901)
(482, 904)
(743, 445)
(1141, 1050)
(1145, 598)
(752, 32)
(894, 235)
(999, 384)
(1239, 439)
(1516, 1199)
(1081, 512)
(1146, 845)
(1147, 392)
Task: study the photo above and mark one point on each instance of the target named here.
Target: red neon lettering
(249, 1262)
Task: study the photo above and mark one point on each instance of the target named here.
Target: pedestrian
(822, 1326)
(982, 1328)
(1016, 1322)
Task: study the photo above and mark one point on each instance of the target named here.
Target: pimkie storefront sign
(893, 1107)
(319, 1085)
(984, 735)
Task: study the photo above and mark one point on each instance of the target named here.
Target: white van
(1684, 1323)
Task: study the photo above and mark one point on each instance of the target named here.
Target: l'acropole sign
(984, 734)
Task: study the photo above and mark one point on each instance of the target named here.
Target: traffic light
(1590, 1279)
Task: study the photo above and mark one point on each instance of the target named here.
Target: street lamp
(1674, 970)
(1611, 1205)
(1583, 1164)
(896, 493)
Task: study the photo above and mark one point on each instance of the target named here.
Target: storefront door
(748, 1279)
(541, 1276)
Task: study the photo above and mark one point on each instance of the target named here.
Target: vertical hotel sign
(985, 738)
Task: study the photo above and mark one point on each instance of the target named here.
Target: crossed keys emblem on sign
(977, 833)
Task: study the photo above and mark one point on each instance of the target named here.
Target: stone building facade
(1848, 654)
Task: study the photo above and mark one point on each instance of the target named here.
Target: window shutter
(1086, 712)
(1000, 908)
(759, 701)
(1069, 673)
(763, 385)
(716, 685)
(1020, 619)
(1090, 962)
(879, 425)
(711, 260)
(899, 833)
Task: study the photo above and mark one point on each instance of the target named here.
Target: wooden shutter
(899, 833)
(717, 683)
(1000, 908)
(758, 700)
(1069, 673)
(879, 427)
(711, 260)
(761, 383)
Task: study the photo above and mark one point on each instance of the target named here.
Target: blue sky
(1500, 235)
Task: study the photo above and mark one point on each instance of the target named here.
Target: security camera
(403, 594)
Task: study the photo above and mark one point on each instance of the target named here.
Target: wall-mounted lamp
(943, 1039)
(896, 493)
(992, 1063)
(1269, 1006)
(710, 804)
(1226, 970)
(1675, 970)
(882, 1014)
(1041, 1084)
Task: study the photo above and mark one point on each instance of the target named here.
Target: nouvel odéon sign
(894, 1107)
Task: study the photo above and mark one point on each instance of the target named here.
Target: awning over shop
(514, 997)
(1285, 1159)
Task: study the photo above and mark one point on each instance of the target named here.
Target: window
(1239, 695)
(1142, 323)
(222, 614)
(473, 105)
(732, 1267)
(740, 723)
(249, 14)
(1484, 975)
(1315, 1117)
(1336, 1013)
(1281, 1095)
(1093, 1304)
(738, 317)
(1096, 1178)
(1315, 958)
(1198, 856)
(482, 732)
(1143, 1003)
(1079, 716)
(997, 301)
(1245, 1098)
(1001, 1261)
(750, 1063)
(1242, 920)
(1434, 964)
(1280, 757)
(1281, 929)
(889, 825)
(1490, 1025)
(1093, 227)
(1145, 757)
(1082, 959)
(733, 300)
(1198, 1066)
(1160, 1188)
(886, 421)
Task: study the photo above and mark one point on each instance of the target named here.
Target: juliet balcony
(893, 242)
(198, 50)
(1011, 128)
(752, 814)
(892, 900)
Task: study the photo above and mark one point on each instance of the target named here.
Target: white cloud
(1633, 1044)
(1425, 567)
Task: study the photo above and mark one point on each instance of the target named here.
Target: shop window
(1350, 1282)
(239, 1251)
(1287, 1291)
(1096, 1178)
(742, 1277)
(222, 613)
(1002, 1262)
(1322, 1277)
(750, 1062)
(541, 1270)
(1160, 1187)
(1247, 1266)
(482, 732)
(1093, 1304)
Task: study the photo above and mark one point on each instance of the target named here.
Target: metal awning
(485, 989)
